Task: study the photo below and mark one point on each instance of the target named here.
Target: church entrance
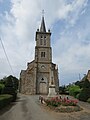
(43, 86)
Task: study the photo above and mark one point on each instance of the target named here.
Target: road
(29, 108)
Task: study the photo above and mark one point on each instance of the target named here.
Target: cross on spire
(42, 28)
(43, 13)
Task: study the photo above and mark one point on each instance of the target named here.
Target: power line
(6, 56)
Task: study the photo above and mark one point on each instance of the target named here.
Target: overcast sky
(69, 21)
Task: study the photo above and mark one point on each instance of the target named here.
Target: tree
(84, 94)
(84, 83)
(11, 86)
(74, 90)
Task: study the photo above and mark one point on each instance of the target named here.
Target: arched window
(41, 39)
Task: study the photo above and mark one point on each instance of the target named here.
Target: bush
(1, 87)
(74, 90)
(84, 94)
(84, 83)
(63, 90)
(5, 99)
(88, 100)
(11, 86)
(55, 101)
(11, 91)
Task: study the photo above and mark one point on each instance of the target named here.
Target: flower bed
(62, 104)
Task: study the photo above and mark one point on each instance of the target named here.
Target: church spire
(42, 28)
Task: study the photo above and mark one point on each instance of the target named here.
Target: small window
(42, 54)
(41, 40)
(42, 79)
(44, 40)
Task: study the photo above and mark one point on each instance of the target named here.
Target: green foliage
(2, 81)
(88, 100)
(5, 100)
(84, 94)
(11, 91)
(84, 83)
(63, 90)
(74, 90)
(56, 101)
(1, 87)
(11, 86)
(11, 82)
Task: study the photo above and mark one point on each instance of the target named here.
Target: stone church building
(37, 78)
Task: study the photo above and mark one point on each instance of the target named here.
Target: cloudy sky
(69, 21)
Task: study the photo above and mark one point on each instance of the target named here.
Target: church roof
(42, 28)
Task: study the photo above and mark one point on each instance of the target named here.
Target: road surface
(28, 107)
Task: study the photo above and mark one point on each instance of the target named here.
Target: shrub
(77, 96)
(84, 94)
(5, 99)
(88, 100)
(55, 101)
(84, 83)
(74, 90)
(63, 90)
(11, 91)
(1, 87)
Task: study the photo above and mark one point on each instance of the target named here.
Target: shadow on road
(8, 107)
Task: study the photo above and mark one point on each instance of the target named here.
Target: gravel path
(29, 108)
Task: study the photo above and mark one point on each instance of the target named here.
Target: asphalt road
(29, 108)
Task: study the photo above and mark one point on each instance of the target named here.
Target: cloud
(18, 27)
(71, 11)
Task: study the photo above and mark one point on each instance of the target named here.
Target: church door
(43, 88)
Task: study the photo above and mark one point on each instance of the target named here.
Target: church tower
(36, 79)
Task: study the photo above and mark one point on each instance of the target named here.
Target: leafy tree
(11, 82)
(11, 86)
(74, 90)
(84, 94)
(84, 83)
(2, 81)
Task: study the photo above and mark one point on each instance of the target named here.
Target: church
(40, 72)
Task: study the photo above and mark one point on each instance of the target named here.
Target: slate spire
(42, 28)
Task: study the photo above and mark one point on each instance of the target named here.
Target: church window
(42, 79)
(42, 54)
(41, 40)
(44, 40)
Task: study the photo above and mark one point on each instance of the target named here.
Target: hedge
(84, 94)
(11, 91)
(5, 99)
